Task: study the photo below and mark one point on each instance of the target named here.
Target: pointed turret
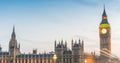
(104, 12)
(13, 41)
(66, 44)
(13, 36)
(55, 44)
(14, 48)
(104, 17)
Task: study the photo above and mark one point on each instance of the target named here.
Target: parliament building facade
(75, 54)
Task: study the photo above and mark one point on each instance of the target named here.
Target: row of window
(28, 61)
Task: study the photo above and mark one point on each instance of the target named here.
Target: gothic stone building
(15, 56)
(77, 54)
(64, 55)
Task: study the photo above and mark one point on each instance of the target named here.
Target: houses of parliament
(62, 54)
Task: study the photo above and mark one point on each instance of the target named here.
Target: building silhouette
(15, 56)
(105, 38)
(63, 54)
(77, 54)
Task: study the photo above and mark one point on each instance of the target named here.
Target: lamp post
(55, 58)
(85, 61)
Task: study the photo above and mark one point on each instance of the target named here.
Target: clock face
(104, 31)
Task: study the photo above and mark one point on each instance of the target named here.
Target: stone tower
(59, 49)
(105, 37)
(14, 48)
(77, 52)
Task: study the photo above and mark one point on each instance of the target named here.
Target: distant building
(105, 39)
(15, 56)
(76, 55)
(63, 54)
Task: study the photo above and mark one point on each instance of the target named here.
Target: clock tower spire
(105, 37)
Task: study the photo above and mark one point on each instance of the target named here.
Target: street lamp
(55, 58)
(85, 61)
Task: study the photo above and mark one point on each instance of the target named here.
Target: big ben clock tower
(105, 37)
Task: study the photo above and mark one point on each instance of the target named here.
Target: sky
(38, 23)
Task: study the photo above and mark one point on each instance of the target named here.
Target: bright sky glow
(40, 22)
